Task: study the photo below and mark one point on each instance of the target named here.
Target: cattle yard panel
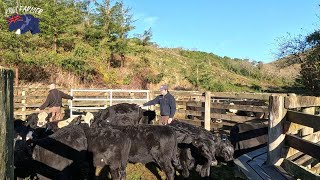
(189, 103)
(220, 105)
(294, 137)
(27, 99)
(86, 99)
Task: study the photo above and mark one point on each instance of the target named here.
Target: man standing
(54, 102)
(167, 105)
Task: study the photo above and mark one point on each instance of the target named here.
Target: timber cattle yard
(106, 134)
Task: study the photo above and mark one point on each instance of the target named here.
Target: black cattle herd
(109, 140)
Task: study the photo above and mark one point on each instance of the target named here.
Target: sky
(247, 29)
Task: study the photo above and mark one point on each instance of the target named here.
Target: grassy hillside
(181, 69)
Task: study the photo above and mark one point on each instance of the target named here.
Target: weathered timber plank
(231, 117)
(307, 130)
(251, 108)
(181, 93)
(290, 127)
(316, 169)
(295, 156)
(241, 107)
(284, 173)
(246, 169)
(261, 96)
(195, 104)
(292, 153)
(304, 160)
(243, 165)
(30, 97)
(303, 145)
(301, 101)
(258, 170)
(277, 114)
(304, 119)
(207, 118)
(6, 125)
(273, 173)
(314, 137)
(298, 171)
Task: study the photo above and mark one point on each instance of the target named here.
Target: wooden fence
(191, 105)
(294, 135)
(210, 109)
(6, 124)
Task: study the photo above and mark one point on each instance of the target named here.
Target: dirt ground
(220, 172)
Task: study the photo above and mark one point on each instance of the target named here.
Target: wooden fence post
(6, 123)
(307, 130)
(23, 102)
(277, 114)
(207, 113)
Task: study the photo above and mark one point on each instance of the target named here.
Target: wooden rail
(219, 110)
(294, 136)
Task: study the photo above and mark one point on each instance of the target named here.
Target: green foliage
(199, 74)
(305, 49)
(83, 51)
(154, 78)
(244, 68)
(310, 71)
(32, 72)
(111, 77)
(211, 58)
(79, 67)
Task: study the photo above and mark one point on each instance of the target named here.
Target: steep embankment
(181, 69)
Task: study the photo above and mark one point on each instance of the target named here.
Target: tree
(116, 22)
(145, 37)
(59, 18)
(305, 50)
(199, 74)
